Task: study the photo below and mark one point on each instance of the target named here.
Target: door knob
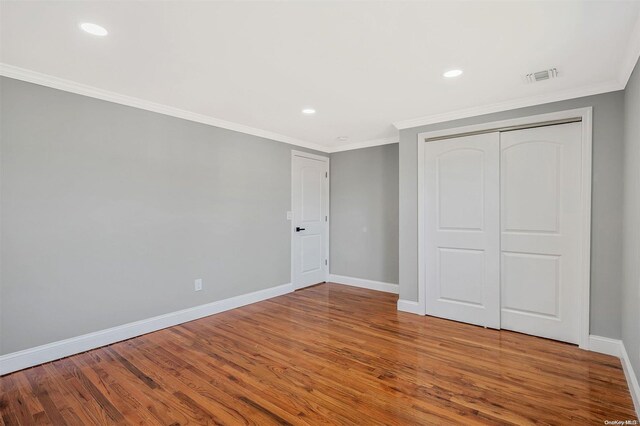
(298, 229)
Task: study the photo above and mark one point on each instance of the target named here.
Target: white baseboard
(632, 379)
(29, 357)
(362, 283)
(616, 348)
(410, 306)
(605, 345)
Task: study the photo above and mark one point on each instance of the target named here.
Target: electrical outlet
(198, 284)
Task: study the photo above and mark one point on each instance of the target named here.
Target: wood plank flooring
(329, 354)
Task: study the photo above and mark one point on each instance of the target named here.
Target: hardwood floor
(329, 354)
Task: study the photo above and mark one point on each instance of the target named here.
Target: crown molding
(633, 52)
(41, 79)
(610, 86)
(363, 144)
(631, 55)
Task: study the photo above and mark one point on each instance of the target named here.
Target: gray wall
(364, 213)
(631, 241)
(606, 251)
(109, 213)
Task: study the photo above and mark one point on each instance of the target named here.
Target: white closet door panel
(540, 235)
(531, 185)
(462, 229)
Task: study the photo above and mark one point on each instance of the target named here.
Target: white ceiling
(362, 65)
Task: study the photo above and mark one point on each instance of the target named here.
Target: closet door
(540, 231)
(462, 229)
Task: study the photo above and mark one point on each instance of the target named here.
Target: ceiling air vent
(541, 75)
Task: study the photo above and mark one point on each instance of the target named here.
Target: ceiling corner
(632, 53)
(364, 144)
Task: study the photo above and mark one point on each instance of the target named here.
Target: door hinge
(326, 219)
(326, 174)
(325, 261)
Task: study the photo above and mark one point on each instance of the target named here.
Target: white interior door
(310, 203)
(462, 229)
(540, 231)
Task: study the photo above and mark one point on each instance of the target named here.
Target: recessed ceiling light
(94, 29)
(452, 73)
(343, 138)
(308, 111)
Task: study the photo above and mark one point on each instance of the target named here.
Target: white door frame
(585, 114)
(295, 153)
